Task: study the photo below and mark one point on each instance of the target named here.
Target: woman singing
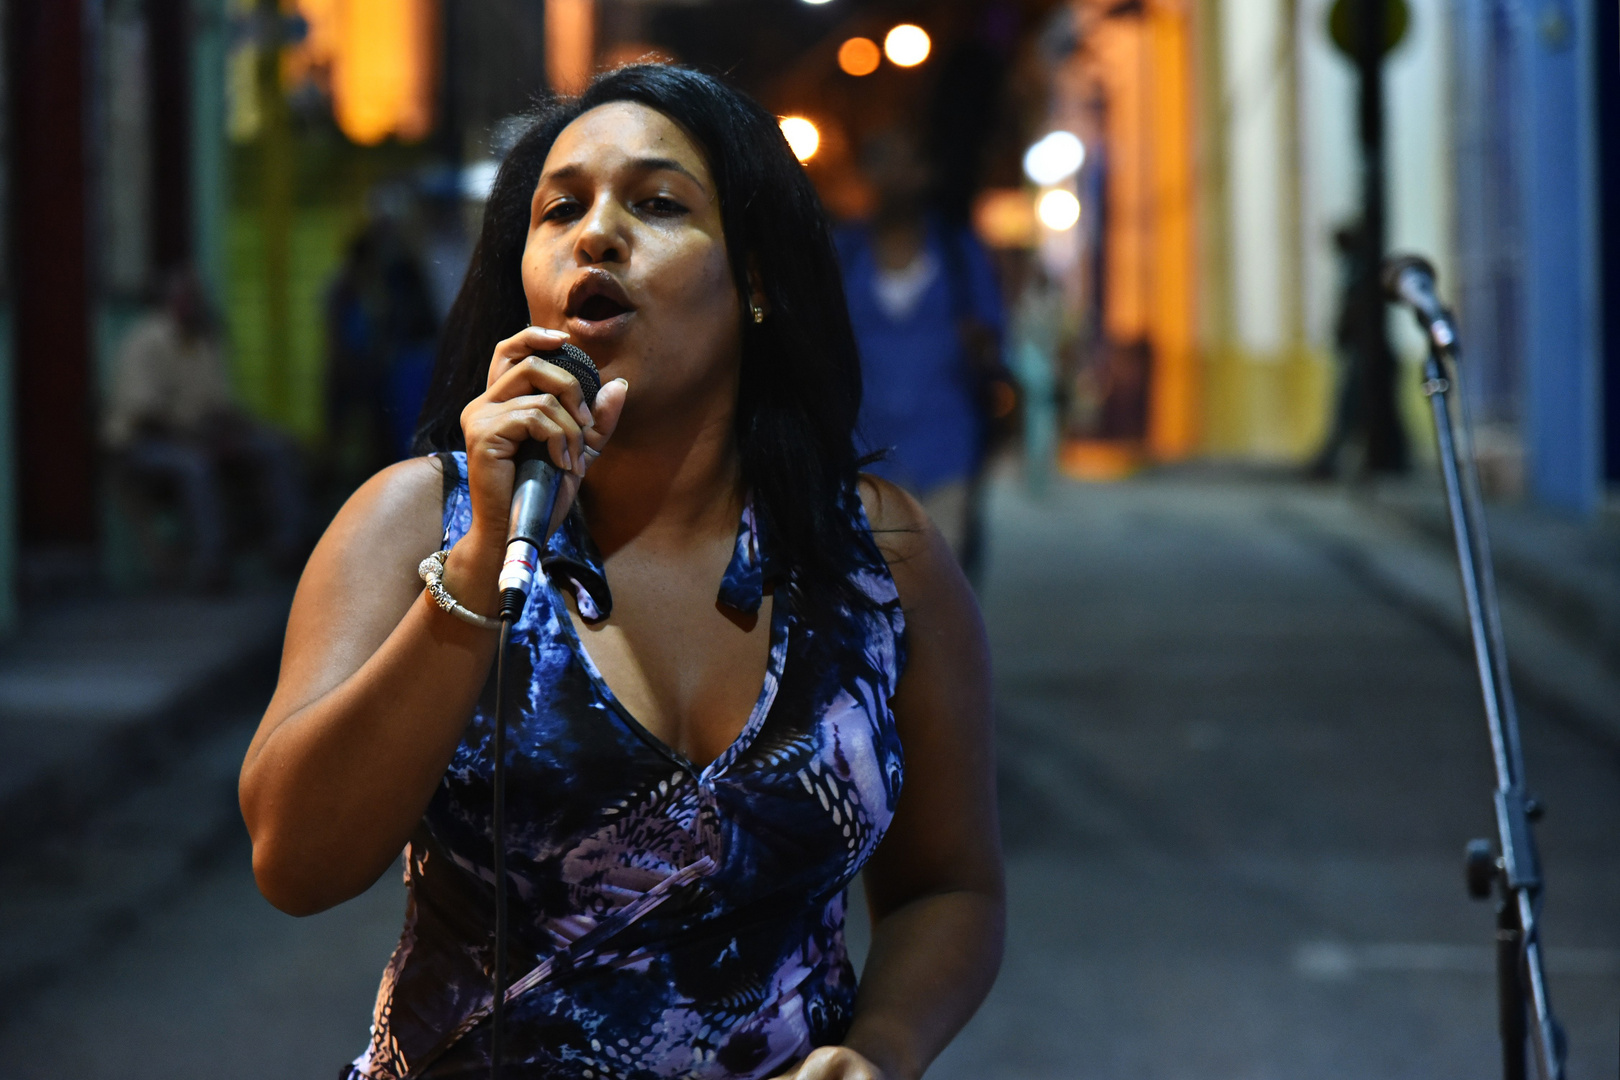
(749, 675)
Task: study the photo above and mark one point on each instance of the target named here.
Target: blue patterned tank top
(668, 920)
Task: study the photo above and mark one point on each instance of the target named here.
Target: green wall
(316, 245)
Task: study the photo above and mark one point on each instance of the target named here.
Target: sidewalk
(1558, 581)
(1567, 568)
(122, 725)
(97, 695)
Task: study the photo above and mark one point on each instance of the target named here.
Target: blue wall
(1563, 437)
(1529, 233)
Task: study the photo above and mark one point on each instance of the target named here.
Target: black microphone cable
(497, 1021)
(534, 497)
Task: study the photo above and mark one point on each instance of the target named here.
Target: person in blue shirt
(927, 313)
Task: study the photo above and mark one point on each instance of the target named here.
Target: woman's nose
(601, 234)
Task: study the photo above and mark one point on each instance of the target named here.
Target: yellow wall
(1266, 408)
(1266, 403)
(1173, 416)
(1145, 67)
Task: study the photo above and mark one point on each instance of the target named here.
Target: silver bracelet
(431, 570)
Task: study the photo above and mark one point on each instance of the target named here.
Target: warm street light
(1058, 210)
(570, 32)
(907, 45)
(859, 56)
(380, 57)
(802, 137)
(1005, 218)
(1054, 157)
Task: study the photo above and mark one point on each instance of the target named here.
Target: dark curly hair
(800, 383)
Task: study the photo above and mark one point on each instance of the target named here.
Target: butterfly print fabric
(667, 919)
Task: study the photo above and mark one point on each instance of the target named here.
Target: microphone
(534, 495)
(1409, 280)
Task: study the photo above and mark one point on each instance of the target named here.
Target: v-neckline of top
(573, 556)
(781, 628)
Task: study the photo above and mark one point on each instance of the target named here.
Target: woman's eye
(561, 211)
(663, 206)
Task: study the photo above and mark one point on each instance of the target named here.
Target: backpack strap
(958, 287)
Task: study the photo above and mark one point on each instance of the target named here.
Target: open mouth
(599, 308)
(596, 299)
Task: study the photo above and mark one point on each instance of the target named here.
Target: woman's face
(626, 253)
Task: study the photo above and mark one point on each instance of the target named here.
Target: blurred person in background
(738, 652)
(171, 421)
(1036, 337)
(382, 327)
(1344, 443)
(927, 312)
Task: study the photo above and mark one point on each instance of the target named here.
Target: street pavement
(1237, 772)
(1237, 777)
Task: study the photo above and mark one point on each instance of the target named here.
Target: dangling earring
(759, 314)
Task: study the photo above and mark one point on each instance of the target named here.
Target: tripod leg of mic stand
(1509, 993)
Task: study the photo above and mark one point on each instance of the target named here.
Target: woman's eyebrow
(641, 164)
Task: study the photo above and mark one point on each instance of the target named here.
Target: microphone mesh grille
(572, 359)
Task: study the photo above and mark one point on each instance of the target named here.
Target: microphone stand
(1514, 875)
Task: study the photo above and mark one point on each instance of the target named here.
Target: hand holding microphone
(537, 485)
(530, 437)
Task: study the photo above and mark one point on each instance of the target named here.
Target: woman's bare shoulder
(405, 486)
(918, 556)
(360, 580)
(377, 538)
(399, 507)
(889, 507)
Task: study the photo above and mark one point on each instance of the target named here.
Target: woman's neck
(665, 487)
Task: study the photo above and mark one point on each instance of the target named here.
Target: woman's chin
(599, 332)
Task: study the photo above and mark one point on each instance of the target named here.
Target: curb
(61, 799)
(1409, 566)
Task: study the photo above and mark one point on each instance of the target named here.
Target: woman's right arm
(375, 689)
(377, 683)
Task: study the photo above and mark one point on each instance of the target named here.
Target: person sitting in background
(171, 419)
(382, 328)
(927, 313)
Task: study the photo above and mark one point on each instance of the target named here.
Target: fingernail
(567, 461)
(623, 382)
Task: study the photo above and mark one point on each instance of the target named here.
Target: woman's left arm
(935, 883)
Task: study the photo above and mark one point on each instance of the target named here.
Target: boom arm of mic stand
(1522, 981)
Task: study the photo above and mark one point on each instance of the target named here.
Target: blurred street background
(1241, 742)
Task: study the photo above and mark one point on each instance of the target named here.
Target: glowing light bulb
(802, 137)
(1054, 157)
(907, 45)
(859, 56)
(1058, 210)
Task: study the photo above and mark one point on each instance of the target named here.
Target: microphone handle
(534, 505)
